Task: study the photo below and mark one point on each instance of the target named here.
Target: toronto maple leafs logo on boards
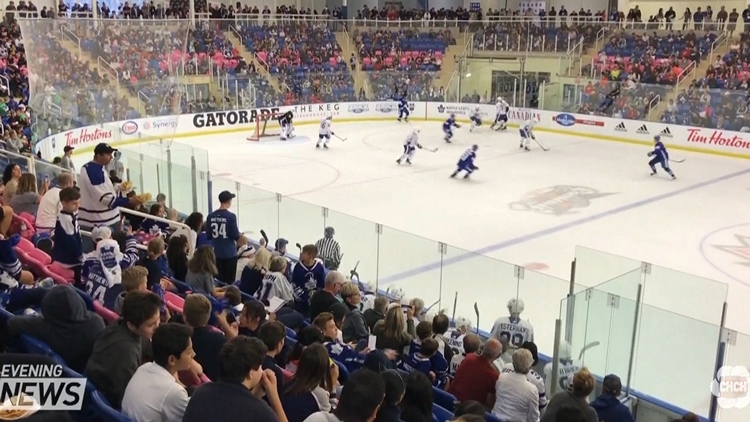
(557, 200)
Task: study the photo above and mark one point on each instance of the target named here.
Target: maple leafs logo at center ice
(557, 200)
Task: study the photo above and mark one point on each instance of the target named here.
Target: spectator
(11, 174)
(253, 316)
(177, 257)
(6, 219)
(117, 352)
(470, 407)
(471, 347)
(583, 385)
(390, 410)
(26, 198)
(67, 159)
(354, 328)
(65, 325)
(417, 403)
(516, 399)
(440, 325)
(419, 313)
(154, 253)
(476, 376)
(376, 313)
(255, 269)
(100, 202)
(14, 281)
(324, 299)
(329, 250)
(275, 283)
(306, 337)
(222, 231)
(240, 375)
(338, 350)
(391, 332)
(153, 393)
(360, 399)
(422, 359)
(310, 389)
(570, 414)
(154, 226)
(607, 405)
(308, 275)
(50, 206)
(201, 271)
(207, 342)
(532, 376)
(101, 272)
(245, 253)
(133, 279)
(67, 250)
(272, 335)
(194, 233)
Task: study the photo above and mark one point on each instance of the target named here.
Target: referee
(329, 250)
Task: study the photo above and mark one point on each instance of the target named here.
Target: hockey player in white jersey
(454, 337)
(476, 119)
(324, 132)
(368, 295)
(512, 327)
(410, 145)
(566, 368)
(501, 114)
(470, 343)
(532, 376)
(527, 132)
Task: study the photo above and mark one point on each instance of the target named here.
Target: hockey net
(266, 125)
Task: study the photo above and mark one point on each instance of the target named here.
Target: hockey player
(369, 294)
(501, 114)
(661, 156)
(410, 145)
(454, 338)
(527, 132)
(609, 99)
(513, 327)
(476, 119)
(403, 109)
(466, 162)
(448, 127)
(325, 132)
(287, 128)
(532, 376)
(566, 368)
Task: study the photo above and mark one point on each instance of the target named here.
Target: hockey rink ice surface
(526, 208)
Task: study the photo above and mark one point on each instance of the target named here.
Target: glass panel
(737, 355)
(698, 297)
(219, 185)
(594, 267)
(409, 262)
(181, 195)
(657, 371)
(537, 290)
(152, 182)
(359, 244)
(489, 282)
(299, 222)
(259, 210)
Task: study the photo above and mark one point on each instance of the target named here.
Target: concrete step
(250, 58)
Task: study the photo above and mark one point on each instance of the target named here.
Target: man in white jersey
(410, 145)
(325, 132)
(454, 337)
(476, 119)
(513, 327)
(533, 376)
(566, 368)
(501, 114)
(470, 345)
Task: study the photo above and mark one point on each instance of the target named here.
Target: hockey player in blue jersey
(661, 156)
(448, 126)
(466, 162)
(403, 109)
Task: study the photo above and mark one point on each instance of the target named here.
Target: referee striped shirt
(329, 250)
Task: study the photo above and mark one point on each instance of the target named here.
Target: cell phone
(46, 178)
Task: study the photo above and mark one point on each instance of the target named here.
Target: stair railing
(65, 32)
(653, 104)
(107, 67)
(686, 72)
(143, 99)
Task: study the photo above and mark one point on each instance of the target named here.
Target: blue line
(541, 233)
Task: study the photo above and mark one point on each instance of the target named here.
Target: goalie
(287, 128)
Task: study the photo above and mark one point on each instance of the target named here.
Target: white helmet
(396, 294)
(564, 351)
(416, 131)
(515, 306)
(476, 109)
(368, 286)
(499, 99)
(463, 324)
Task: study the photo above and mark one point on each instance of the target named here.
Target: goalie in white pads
(501, 114)
(527, 132)
(476, 119)
(325, 132)
(532, 376)
(410, 145)
(287, 128)
(513, 328)
(566, 368)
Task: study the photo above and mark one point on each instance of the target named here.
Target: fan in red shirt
(476, 375)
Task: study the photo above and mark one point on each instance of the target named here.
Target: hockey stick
(339, 138)
(354, 272)
(587, 347)
(430, 149)
(263, 233)
(476, 311)
(299, 247)
(540, 145)
(431, 306)
(455, 300)
(677, 161)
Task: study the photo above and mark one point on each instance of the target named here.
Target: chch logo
(565, 119)
(731, 387)
(557, 200)
(130, 127)
(441, 108)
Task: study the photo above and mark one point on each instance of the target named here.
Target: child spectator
(101, 272)
(201, 272)
(12, 277)
(421, 361)
(68, 247)
(133, 279)
(308, 275)
(177, 256)
(439, 364)
(152, 226)
(151, 261)
(338, 350)
(234, 299)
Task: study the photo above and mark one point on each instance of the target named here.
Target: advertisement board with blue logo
(565, 119)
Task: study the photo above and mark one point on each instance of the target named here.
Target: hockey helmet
(564, 351)
(515, 306)
(657, 138)
(396, 294)
(475, 147)
(463, 324)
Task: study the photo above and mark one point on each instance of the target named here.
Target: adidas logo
(620, 128)
(643, 130)
(666, 133)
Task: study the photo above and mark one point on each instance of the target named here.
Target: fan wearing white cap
(101, 272)
(512, 327)
(566, 368)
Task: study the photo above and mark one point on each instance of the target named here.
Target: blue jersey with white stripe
(403, 104)
(451, 122)
(467, 159)
(660, 151)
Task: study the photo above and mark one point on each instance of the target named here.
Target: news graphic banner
(32, 387)
(705, 140)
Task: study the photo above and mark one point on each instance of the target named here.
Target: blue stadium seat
(444, 399)
(441, 414)
(106, 412)
(492, 418)
(37, 347)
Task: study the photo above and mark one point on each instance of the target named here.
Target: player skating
(501, 114)
(527, 132)
(476, 119)
(513, 328)
(403, 109)
(448, 126)
(661, 156)
(325, 132)
(410, 145)
(287, 128)
(466, 162)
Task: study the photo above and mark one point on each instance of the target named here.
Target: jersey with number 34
(516, 331)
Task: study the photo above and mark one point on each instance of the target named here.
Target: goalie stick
(587, 347)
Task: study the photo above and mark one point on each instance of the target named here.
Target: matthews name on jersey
(448, 126)
(403, 109)
(517, 331)
(101, 272)
(661, 156)
(222, 231)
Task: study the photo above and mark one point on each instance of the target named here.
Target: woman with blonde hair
(26, 199)
(253, 270)
(201, 272)
(354, 327)
(395, 332)
(575, 397)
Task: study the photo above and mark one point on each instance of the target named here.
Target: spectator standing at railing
(100, 202)
(221, 228)
(67, 159)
